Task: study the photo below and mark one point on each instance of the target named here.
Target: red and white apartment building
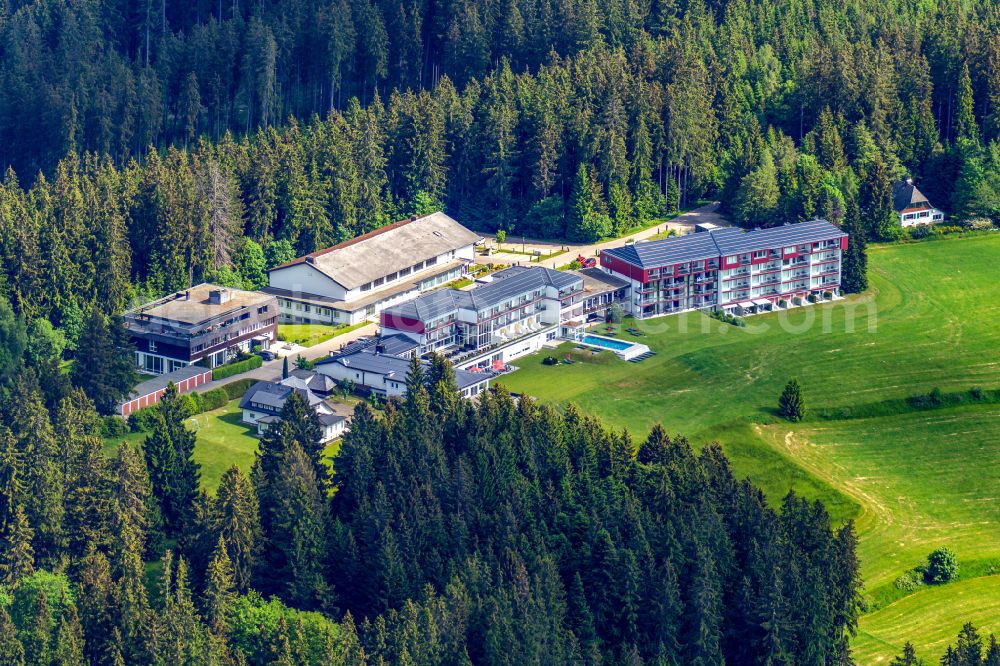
(731, 269)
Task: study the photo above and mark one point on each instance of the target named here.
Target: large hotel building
(730, 268)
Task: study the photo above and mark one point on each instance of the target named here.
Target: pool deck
(622, 349)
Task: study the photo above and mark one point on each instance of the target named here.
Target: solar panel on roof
(724, 241)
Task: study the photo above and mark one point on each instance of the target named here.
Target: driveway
(271, 370)
(682, 224)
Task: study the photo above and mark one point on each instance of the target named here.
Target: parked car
(267, 355)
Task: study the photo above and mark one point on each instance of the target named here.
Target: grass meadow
(912, 480)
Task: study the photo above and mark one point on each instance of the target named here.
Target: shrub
(199, 402)
(942, 566)
(828, 295)
(783, 303)
(237, 368)
(113, 426)
(237, 388)
(909, 581)
(550, 360)
(812, 298)
(188, 403)
(142, 420)
(977, 393)
(927, 400)
(978, 224)
(215, 399)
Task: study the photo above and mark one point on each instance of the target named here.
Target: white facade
(353, 306)
(263, 421)
(913, 217)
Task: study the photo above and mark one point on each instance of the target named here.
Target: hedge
(214, 399)
(238, 388)
(237, 368)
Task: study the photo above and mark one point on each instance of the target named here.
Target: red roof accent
(348, 243)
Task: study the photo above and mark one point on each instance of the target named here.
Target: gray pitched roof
(517, 280)
(906, 194)
(506, 284)
(314, 381)
(272, 396)
(393, 367)
(388, 249)
(724, 241)
(731, 240)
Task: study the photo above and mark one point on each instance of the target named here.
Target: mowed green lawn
(913, 481)
(222, 441)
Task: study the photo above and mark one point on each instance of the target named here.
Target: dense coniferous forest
(446, 532)
(148, 146)
(209, 134)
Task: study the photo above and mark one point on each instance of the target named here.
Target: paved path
(682, 224)
(271, 370)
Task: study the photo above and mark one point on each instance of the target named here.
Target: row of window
(401, 273)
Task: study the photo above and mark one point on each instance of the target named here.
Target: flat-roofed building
(731, 269)
(355, 280)
(516, 313)
(600, 290)
(204, 323)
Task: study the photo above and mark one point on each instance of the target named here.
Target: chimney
(218, 296)
(909, 181)
(310, 259)
(187, 295)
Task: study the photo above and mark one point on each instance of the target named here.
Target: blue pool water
(606, 343)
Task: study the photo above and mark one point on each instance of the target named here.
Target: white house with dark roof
(355, 280)
(912, 206)
(262, 404)
(385, 374)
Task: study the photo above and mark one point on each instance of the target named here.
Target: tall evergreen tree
(173, 473)
(104, 369)
(854, 272)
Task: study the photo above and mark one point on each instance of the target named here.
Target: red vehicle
(586, 263)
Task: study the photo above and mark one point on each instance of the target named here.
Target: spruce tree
(790, 404)
(966, 128)
(69, 646)
(875, 199)
(298, 536)
(237, 517)
(17, 557)
(854, 273)
(908, 658)
(105, 369)
(11, 650)
(173, 473)
(37, 636)
(219, 590)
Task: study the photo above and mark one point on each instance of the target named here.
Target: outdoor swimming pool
(623, 350)
(606, 343)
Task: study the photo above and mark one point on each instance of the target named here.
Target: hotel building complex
(731, 269)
